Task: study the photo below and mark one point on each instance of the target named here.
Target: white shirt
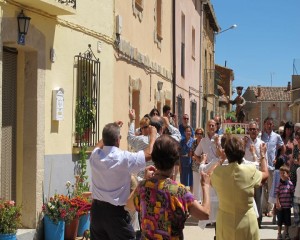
(139, 142)
(208, 147)
(248, 155)
(111, 170)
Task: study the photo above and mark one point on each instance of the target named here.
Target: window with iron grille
(193, 114)
(87, 109)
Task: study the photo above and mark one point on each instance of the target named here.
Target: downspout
(174, 58)
(200, 67)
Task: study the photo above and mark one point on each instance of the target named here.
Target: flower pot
(52, 230)
(71, 229)
(84, 224)
(8, 236)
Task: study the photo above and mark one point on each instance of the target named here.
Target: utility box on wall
(58, 104)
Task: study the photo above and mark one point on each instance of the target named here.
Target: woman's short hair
(199, 129)
(165, 152)
(110, 134)
(234, 149)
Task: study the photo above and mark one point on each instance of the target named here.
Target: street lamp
(23, 24)
(231, 27)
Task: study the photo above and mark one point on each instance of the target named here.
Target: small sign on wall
(58, 104)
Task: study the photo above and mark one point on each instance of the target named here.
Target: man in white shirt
(111, 170)
(274, 143)
(207, 144)
(252, 153)
(207, 149)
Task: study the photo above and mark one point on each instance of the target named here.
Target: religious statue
(240, 103)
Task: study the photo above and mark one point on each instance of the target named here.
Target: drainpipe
(200, 66)
(174, 57)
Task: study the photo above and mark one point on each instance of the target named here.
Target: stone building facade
(262, 102)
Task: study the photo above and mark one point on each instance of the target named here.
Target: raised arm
(263, 162)
(152, 138)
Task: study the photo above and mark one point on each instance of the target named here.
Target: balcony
(52, 7)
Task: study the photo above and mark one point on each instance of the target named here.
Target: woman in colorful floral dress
(163, 204)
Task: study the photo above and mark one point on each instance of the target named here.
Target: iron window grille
(87, 109)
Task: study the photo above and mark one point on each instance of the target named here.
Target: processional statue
(240, 103)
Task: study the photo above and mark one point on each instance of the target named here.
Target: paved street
(193, 232)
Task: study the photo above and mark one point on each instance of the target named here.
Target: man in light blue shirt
(111, 170)
(274, 142)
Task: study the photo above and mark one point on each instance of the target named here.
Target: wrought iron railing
(71, 3)
(87, 112)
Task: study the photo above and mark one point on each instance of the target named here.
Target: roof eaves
(209, 10)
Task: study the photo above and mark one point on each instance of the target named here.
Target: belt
(106, 204)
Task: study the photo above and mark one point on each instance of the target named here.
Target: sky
(262, 48)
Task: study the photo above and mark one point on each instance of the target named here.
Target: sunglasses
(252, 129)
(155, 114)
(186, 118)
(144, 127)
(211, 125)
(218, 123)
(198, 133)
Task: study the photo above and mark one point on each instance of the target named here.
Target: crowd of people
(225, 180)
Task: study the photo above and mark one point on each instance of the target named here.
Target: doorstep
(26, 234)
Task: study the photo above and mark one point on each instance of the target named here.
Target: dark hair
(268, 119)
(165, 152)
(151, 114)
(234, 149)
(188, 126)
(166, 108)
(288, 124)
(110, 134)
(280, 161)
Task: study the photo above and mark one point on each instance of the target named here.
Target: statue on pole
(240, 103)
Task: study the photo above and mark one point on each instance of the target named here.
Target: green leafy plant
(230, 116)
(228, 130)
(85, 118)
(85, 113)
(10, 217)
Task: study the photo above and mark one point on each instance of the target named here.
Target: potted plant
(71, 220)
(56, 211)
(83, 212)
(230, 117)
(10, 218)
(82, 201)
(85, 113)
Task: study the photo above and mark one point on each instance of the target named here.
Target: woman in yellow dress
(234, 184)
